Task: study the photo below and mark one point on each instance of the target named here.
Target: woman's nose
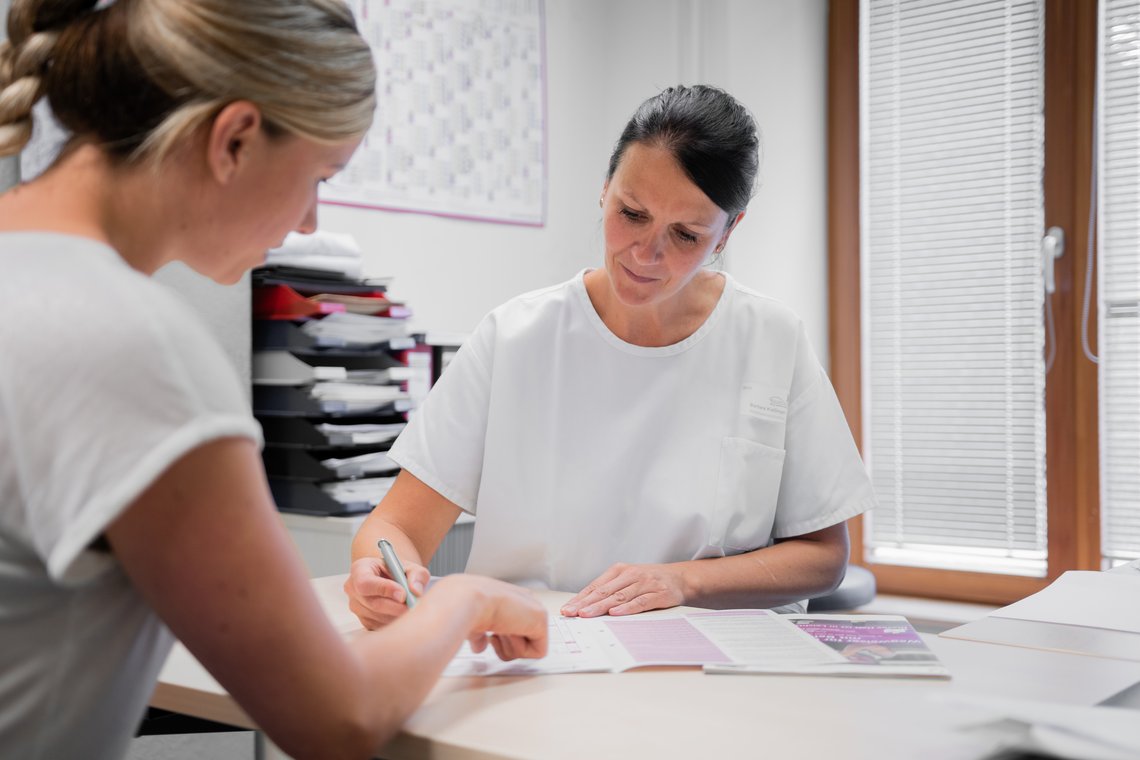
(649, 248)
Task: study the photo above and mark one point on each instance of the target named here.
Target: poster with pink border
(460, 126)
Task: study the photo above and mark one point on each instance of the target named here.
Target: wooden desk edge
(220, 708)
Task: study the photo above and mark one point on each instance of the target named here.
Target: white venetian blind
(952, 291)
(1118, 162)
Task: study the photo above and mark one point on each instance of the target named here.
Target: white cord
(1089, 252)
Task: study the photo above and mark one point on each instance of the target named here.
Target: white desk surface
(683, 713)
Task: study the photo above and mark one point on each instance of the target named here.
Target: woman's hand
(377, 599)
(628, 589)
(511, 619)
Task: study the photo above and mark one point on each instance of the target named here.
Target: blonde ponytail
(139, 76)
(24, 58)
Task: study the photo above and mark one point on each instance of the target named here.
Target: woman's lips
(637, 277)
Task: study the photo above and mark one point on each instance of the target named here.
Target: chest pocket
(747, 487)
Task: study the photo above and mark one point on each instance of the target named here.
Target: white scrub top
(576, 450)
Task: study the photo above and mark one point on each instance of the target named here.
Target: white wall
(603, 58)
(772, 54)
(451, 272)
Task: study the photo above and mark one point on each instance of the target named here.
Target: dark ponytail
(712, 136)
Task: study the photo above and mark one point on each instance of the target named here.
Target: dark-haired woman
(650, 433)
(133, 503)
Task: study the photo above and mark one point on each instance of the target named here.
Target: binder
(306, 464)
(312, 282)
(274, 335)
(282, 302)
(282, 400)
(306, 498)
(302, 433)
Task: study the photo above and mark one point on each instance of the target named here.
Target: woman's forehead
(651, 176)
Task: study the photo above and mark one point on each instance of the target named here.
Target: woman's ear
(728, 231)
(232, 132)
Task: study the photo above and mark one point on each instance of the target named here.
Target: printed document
(738, 641)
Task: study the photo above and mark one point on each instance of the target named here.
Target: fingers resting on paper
(627, 589)
(508, 647)
(374, 597)
(512, 620)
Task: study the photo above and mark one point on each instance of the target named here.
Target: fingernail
(569, 609)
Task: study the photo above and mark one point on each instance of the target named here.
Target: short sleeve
(444, 442)
(824, 481)
(103, 398)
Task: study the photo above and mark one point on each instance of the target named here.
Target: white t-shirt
(106, 379)
(576, 449)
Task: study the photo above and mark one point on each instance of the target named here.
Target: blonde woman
(133, 505)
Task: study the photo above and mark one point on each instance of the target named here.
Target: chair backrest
(856, 589)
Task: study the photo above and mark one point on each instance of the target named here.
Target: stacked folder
(330, 378)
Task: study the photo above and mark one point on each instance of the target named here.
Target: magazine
(854, 645)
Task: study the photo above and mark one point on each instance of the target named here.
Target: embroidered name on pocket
(763, 402)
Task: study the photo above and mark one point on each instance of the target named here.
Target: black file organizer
(289, 416)
(276, 335)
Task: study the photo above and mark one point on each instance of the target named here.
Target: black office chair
(856, 589)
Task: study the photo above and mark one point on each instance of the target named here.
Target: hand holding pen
(375, 592)
(396, 570)
(511, 619)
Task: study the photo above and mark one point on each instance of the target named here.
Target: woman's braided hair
(135, 77)
(24, 58)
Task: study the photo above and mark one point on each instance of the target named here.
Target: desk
(683, 713)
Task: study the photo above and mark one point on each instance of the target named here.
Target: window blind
(952, 290)
(1118, 162)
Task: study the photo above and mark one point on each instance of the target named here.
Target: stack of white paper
(357, 330)
(369, 490)
(355, 435)
(350, 397)
(329, 251)
(1084, 598)
(282, 368)
(362, 464)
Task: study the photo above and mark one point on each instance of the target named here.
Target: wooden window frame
(1072, 469)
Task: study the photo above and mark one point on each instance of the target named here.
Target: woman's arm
(206, 549)
(414, 518)
(790, 570)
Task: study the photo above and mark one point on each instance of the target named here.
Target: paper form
(611, 644)
(567, 653)
(664, 642)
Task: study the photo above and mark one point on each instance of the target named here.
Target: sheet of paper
(1060, 730)
(1084, 598)
(571, 650)
(759, 636)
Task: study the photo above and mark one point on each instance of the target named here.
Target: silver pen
(396, 570)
